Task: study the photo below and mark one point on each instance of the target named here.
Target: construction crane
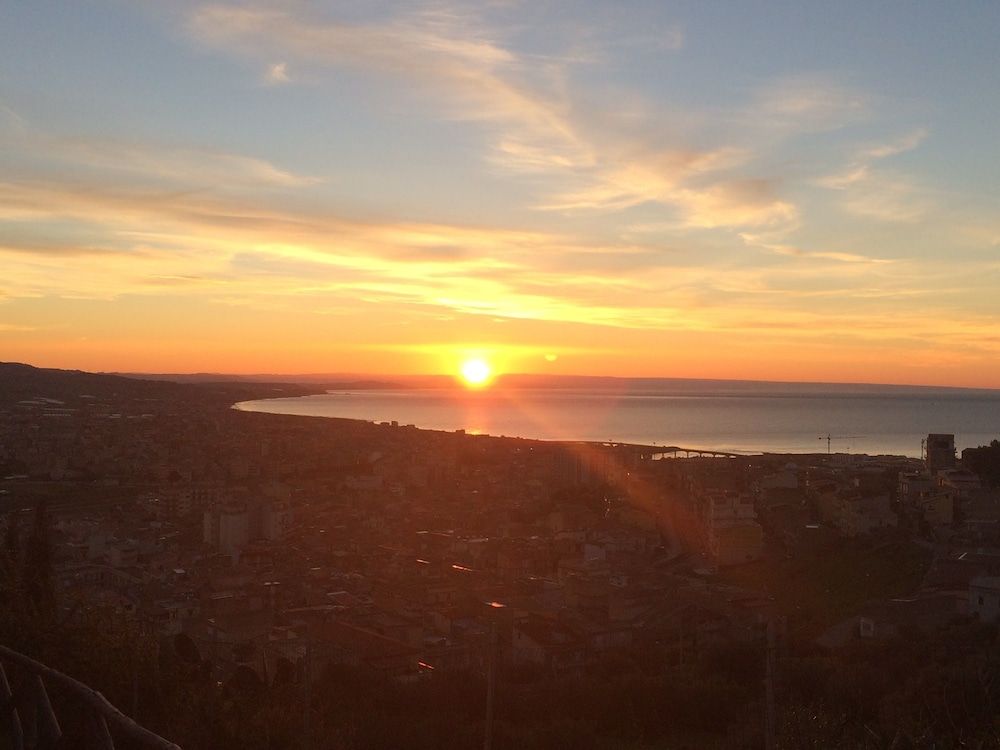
(829, 438)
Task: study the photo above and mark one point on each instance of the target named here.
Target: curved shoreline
(452, 414)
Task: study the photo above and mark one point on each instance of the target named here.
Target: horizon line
(285, 376)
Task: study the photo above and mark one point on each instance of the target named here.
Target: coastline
(663, 448)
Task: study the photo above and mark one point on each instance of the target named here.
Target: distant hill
(20, 381)
(336, 381)
(25, 380)
(637, 386)
(620, 385)
(719, 387)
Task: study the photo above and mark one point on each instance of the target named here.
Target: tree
(186, 648)
(984, 461)
(11, 537)
(244, 651)
(8, 560)
(37, 576)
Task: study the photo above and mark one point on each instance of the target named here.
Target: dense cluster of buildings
(274, 542)
(949, 497)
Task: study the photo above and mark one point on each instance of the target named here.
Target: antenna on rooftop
(828, 437)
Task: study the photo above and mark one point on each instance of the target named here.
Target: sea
(734, 416)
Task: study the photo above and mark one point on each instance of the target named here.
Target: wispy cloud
(888, 198)
(182, 243)
(797, 252)
(529, 108)
(639, 223)
(9, 118)
(237, 251)
(276, 74)
(809, 102)
(155, 163)
(859, 169)
(907, 142)
(874, 192)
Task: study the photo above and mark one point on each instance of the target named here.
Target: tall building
(276, 520)
(232, 524)
(234, 529)
(940, 452)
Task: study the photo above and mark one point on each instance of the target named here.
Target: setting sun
(476, 372)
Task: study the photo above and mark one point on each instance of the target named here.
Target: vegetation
(984, 461)
(919, 690)
(36, 580)
(827, 581)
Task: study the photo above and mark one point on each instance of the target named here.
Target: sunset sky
(766, 190)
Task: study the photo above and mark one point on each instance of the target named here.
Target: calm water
(768, 420)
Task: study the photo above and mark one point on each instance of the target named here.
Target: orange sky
(390, 188)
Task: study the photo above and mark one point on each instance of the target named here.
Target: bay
(746, 418)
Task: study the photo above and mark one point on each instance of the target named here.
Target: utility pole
(307, 695)
(135, 687)
(680, 638)
(829, 438)
(491, 674)
(491, 686)
(215, 648)
(770, 742)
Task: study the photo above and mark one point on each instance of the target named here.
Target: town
(277, 547)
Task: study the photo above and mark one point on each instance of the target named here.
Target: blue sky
(774, 190)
